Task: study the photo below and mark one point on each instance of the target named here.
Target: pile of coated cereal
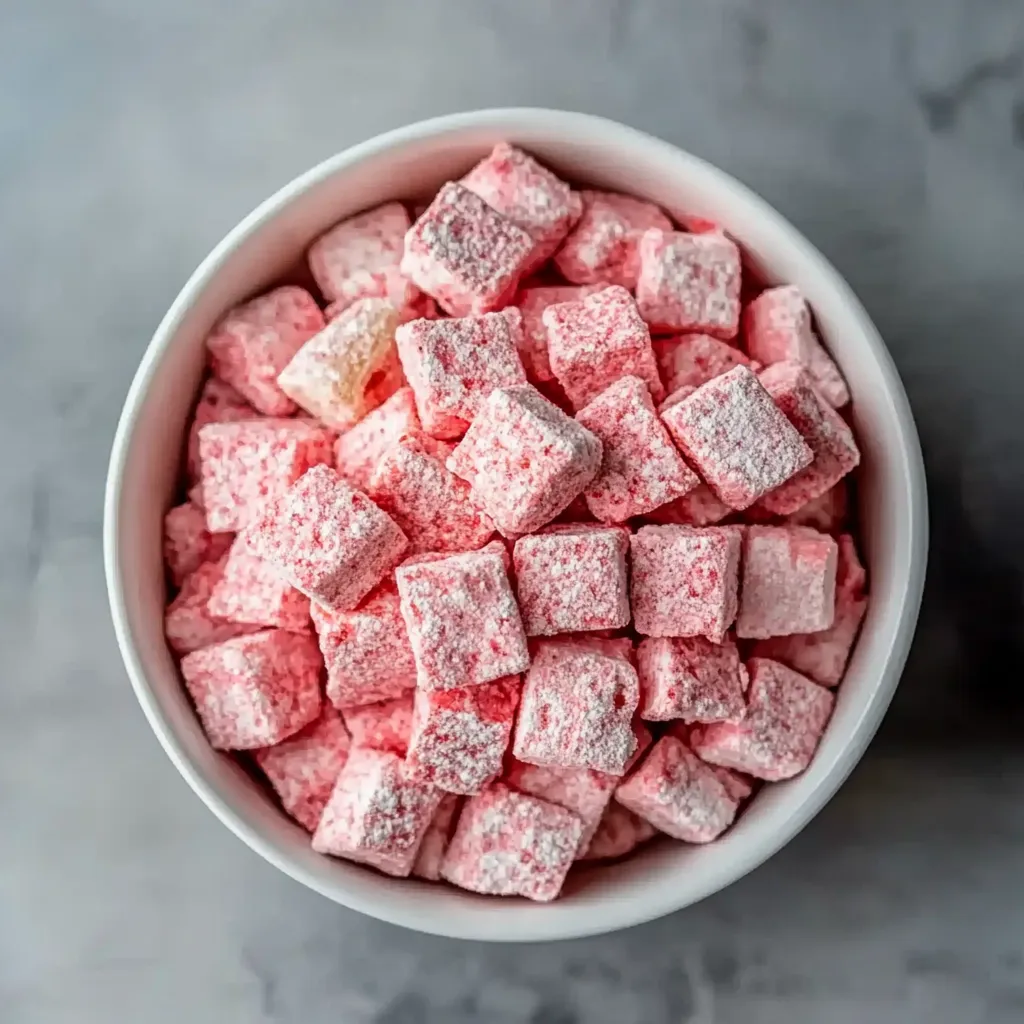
(527, 547)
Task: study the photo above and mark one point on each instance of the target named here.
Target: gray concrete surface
(133, 134)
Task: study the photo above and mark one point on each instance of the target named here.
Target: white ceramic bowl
(410, 163)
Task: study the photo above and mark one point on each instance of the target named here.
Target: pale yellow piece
(349, 368)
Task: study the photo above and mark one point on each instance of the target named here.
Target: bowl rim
(617, 914)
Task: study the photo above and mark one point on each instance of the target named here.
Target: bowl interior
(268, 247)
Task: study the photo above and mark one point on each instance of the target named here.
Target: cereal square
(524, 459)
(188, 624)
(690, 678)
(358, 451)
(527, 194)
(684, 580)
(453, 365)
(328, 540)
(778, 328)
(254, 691)
(346, 369)
(187, 543)
(777, 737)
(679, 794)
(594, 342)
(303, 768)
(218, 403)
(641, 468)
(510, 844)
(737, 437)
(619, 832)
(437, 838)
(689, 283)
(462, 619)
(254, 342)
(789, 582)
(244, 464)
(459, 737)
(576, 709)
(699, 507)
(376, 814)
(603, 247)
(689, 360)
(465, 254)
(532, 302)
(384, 725)
(431, 505)
(572, 579)
(822, 428)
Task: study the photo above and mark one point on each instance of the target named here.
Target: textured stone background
(132, 135)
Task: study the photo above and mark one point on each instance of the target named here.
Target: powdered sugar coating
(789, 582)
(827, 512)
(699, 507)
(640, 467)
(684, 580)
(327, 539)
(358, 451)
(822, 428)
(679, 794)
(690, 678)
(576, 709)
(524, 459)
(462, 619)
(786, 716)
(572, 579)
(465, 254)
(384, 725)
(531, 303)
(436, 839)
(602, 249)
(460, 736)
(619, 832)
(527, 194)
(376, 814)
(244, 464)
(778, 328)
(188, 624)
(431, 505)
(689, 283)
(303, 768)
(597, 340)
(737, 437)
(187, 543)
(510, 844)
(254, 691)
(453, 365)
(689, 360)
(366, 651)
(218, 403)
(254, 342)
(349, 367)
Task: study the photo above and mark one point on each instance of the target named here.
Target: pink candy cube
(359, 258)
(572, 579)
(737, 437)
(689, 360)
(358, 451)
(328, 540)
(778, 328)
(534, 346)
(825, 431)
(527, 194)
(188, 623)
(679, 794)
(254, 691)
(250, 591)
(823, 656)
(437, 837)
(603, 248)
(576, 709)
(619, 832)
(303, 768)
(465, 254)
(462, 619)
(460, 736)
(685, 580)
(245, 464)
(254, 342)
(510, 844)
(429, 503)
(376, 814)
(594, 342)
(524, 459)
(786, 716)
(689, 283)
(218, 403)
(826, 513)
(699, 507)
(641, 468)
(690, 678)
(453, 365)
(385, 725)
(187, 543)
(789, 582)
(349, 367)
